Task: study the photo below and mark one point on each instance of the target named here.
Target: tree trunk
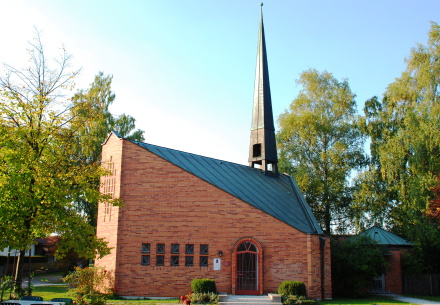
(18, 277)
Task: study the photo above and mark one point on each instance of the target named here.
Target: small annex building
(395, 246)
(187, 216)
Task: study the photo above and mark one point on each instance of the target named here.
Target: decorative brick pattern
(165, 204)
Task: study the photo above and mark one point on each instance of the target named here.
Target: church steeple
(262, 149)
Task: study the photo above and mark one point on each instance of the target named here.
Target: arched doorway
(247, 268)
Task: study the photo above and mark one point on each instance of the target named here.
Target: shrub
(203, 286)
(297, 300)
(98, 299)
(203, 298)
(6, 283)
(93, 283)
(292, 288)
(355, 262)
(17, 292)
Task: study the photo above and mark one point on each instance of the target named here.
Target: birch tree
(320, 145)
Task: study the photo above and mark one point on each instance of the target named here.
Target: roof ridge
(185, 152)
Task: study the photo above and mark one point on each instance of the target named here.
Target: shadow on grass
(424, 297)
(363, 301)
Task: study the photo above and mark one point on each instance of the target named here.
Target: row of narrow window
(175, 259)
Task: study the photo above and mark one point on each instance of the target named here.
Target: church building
(187, 216)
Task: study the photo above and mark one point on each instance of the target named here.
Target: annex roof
(384, 237)
(279, 196)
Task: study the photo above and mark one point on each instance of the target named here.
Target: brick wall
(109, 216)
(393, 277)
(165, 204)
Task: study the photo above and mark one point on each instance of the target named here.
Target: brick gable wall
(108, 216)
(165, 204)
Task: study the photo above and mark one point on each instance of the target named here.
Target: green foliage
(355, 262)
(204, 298)
(6, 283)
(93, 122)
(292, 288)
(320, 144)
(404, 127)
(50, 148)
(203, 286)
(98, 299)
(297, 300)
(40, 177)
(89, 282)
(17, 291)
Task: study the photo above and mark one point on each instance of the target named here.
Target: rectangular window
(160, 260)
(256, 150)
(174, 260)
(145, 248)
(174, 248)
(160, 248)
(204, 249)
(203, 260)
(189, 249)
(189, 260)
(145, 260)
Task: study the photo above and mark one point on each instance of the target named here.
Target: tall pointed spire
(262, 149)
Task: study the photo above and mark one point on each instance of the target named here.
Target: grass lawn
(50, 292)
(363, 301)
(61, 291)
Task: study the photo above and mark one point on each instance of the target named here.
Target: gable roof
(279, 196)
(384, 237)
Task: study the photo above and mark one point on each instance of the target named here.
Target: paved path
(410, 300)
(44, 280)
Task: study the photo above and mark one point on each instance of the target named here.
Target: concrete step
(249, 300)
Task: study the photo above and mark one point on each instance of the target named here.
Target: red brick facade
(393, 277)
(164, 204)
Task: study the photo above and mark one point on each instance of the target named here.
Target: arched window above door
(247, 246)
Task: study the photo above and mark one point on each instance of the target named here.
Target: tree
(92, 123)
(39, 177)
(374, 200)
(404, 128)
(355, 262)
(434, 207)
(320, 145)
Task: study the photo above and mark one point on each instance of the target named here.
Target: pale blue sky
(185, 69)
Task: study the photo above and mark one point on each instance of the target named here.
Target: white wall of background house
(15, 252)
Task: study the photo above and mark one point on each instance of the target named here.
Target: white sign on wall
(217, 263)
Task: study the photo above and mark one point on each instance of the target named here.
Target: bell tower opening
(256, 151)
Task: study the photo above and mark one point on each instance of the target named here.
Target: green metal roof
(385, 238)
(278, 196)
